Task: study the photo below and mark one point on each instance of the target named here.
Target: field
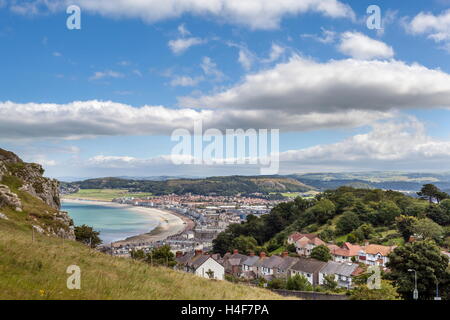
(38, 271)
(104, 194)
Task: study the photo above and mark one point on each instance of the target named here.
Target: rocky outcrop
(28, 177)
(9, 199)
(31, 176)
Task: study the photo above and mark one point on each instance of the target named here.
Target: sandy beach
(169, 223)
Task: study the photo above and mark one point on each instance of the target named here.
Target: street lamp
(415, 292)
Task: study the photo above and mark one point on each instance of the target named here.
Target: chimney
(198, 252)
(235, 251)
(252, 254)
(262, 255)
(284, 254)
(178, 254)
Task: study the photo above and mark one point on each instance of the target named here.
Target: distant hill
(227, 186)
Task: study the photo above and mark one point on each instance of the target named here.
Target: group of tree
(354, 213)
(160, 256)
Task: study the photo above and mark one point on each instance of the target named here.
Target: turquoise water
(114, 223)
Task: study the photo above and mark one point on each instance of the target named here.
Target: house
(375, 255)
(292, 239)
(281, 270)
(266, 266)
(233, 263)
(248, 267)
(309, 268)
(347, 253)
(203, 265)
(343, 273)
(306, 243)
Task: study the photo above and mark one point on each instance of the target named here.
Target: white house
(200, 264)
(375, 255)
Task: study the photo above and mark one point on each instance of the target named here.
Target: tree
(440, 214)
(298, 283)
(427, 229)
(330, 283)
(387, 212)
(431, 192)
(277, 283)
(363, 292)
(426, 258)
(321, 212)
(321, 253)
(244, 244)
(348, 222)
(406, 226)
(162, 256)
(87, 235)
(210, 274)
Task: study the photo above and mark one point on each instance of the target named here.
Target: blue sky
(103, 100)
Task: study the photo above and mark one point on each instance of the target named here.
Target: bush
(298, 283)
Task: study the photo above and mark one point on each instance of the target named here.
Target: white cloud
(85, 119)
(393, 144)
(276, 51)
(185, 81)
(209, 67)
(328, 36)
(302, 86)
(183, 30)
(106, 74)
(179, 46)
(360, 46)
(256, 14)
(246, 58)
(436, 27)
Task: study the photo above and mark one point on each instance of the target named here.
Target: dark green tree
(321, 253)
(298, 283)
(426, 258)
(348, 222)
(87, 235)
(244, 244)
(405, 225)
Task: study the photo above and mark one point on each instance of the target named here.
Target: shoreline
(169, 224)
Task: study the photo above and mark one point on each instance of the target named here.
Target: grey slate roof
(343, 269)
(287, 263)
(308, 265)
(250, 261)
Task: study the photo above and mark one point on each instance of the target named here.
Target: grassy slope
(38, 271)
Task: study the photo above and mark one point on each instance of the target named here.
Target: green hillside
(38, 271)
(33, 264)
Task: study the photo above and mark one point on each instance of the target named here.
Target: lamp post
(415, 292)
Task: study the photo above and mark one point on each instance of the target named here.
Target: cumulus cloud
(360, 46)
(303, 86)
(82, 119)
(179, 46)
(402, 144)
(436, 27)
(256, 14)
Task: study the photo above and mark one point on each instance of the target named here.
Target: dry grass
(38, 271)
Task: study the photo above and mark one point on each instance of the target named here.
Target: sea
(113, 223)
